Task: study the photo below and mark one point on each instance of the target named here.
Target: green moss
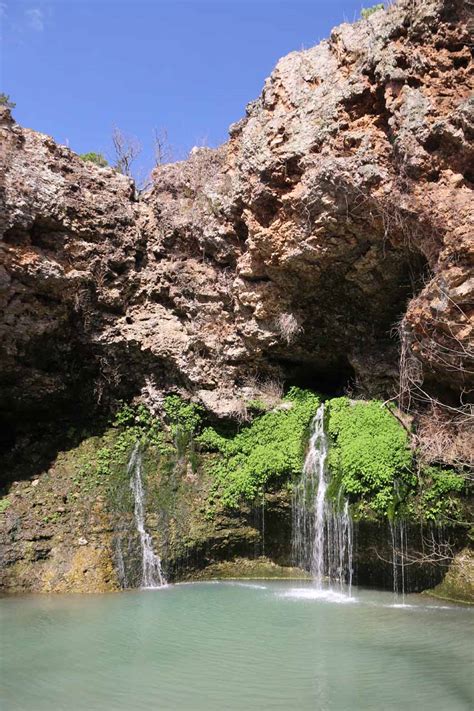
(4, 504)
(369, 457)
(270, 448)
(458, 584)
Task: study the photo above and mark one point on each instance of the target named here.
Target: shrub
(369, 456)
(270, 448)
(181, 415)
(6, 101)
(440, 495)
(368, 11)
(184, 420)
(96, 158)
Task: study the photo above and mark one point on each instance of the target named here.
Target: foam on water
(318, 594)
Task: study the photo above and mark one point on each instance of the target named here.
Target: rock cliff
(338, 211)
(339, 206)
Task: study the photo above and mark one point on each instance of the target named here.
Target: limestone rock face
(340, 206)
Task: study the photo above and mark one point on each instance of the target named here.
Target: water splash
(152, 574)
(322, 531)
(327, 595)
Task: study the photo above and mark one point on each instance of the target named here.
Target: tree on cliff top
(127, 149)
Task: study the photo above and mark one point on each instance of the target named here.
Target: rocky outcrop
(339, 206)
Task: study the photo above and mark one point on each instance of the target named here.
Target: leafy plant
(368, 11)
(96, 158)
(440, 495)
(270, 448)
(184, 420)
(136, 424)
(103, 458)
(369, 455)
(182, 415)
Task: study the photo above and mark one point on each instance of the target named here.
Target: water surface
(235, 645)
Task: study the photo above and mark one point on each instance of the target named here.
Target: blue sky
(76, 68)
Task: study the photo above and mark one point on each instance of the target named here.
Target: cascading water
(399, 556)
(152, 575)
(120, 564)
(322, 531)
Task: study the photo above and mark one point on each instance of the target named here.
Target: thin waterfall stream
(398, 536)
(152, 574)
(322, 530)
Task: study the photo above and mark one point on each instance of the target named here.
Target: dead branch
(127, 149)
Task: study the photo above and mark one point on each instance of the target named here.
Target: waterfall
(152, 575)
(399, 555)
(322, 532)
(120, 564)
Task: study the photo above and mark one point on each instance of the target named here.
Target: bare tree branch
(127, 149)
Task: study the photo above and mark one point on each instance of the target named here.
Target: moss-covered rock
(458, 583)
(261, 568)
(219, 503)
(56, 533)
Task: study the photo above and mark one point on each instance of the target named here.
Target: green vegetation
(6, 101)
(369, 457)
(132, 424)
(184, 420)
(439, 499)
(368, 11)
(270, 448)
(4, 504)
(182, 417)
(370, 460)
(96, 158)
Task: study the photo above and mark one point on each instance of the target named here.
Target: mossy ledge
(218, 498)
